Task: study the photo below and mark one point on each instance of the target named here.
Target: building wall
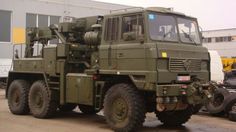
(223, 41)
(75, 8)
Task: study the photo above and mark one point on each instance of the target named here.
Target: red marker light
(184, 86)
(95, 77)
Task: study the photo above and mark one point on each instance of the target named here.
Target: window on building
(43, 21)
(35, 20)
(233, 38)
(132, 27)
(5, 26)
(219, 39)
(207, 40)
(31, 20)
(230, 38)
(227, 39)
(54, 20)
(223, 39)
(112, 29)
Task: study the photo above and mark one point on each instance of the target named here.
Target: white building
(16, 15)
(223, 41)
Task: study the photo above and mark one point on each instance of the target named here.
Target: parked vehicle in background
(217, 73)
(224, 98)
(227, 63)
(5, 67)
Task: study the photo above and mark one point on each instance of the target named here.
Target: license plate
(183, 78)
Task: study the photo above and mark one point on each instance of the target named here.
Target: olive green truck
(126, 63)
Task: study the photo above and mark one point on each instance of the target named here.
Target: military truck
(126, 63)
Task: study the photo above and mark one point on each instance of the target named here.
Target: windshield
(188, 30)
(164, 28)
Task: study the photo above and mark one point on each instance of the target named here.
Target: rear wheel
(90, 110)
(175, 118)
(41, 102)
(18, 97)
(124, 108)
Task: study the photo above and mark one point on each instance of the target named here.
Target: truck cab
(158, 44)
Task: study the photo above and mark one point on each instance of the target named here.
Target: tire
(124, 108)
(89, 110)
(217, 105)
(18, 97)
(230, 103)
(41, 102)
(175, 118)
(232, 116)
(67, 107)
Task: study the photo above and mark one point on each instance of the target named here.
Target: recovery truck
(126, 63)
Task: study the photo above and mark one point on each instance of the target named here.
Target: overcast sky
(211, 14)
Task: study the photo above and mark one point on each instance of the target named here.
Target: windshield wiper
(165, 35)
(186, 35)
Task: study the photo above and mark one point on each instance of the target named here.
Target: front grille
(184, 64)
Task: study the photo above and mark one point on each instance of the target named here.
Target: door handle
(120, 55)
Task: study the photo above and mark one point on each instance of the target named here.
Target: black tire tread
(218, 110)
(230, 101)
(138, 106)
(25, 86)
(175, 118)
(52, 105)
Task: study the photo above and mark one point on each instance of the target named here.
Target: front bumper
(179, 96)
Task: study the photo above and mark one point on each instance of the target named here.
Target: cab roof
(140, 9)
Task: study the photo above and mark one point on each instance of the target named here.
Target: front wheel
(175, 118)
(124, 108)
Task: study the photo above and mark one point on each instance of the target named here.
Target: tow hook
(209, 88)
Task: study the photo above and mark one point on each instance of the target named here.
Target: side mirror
(201, 37)
(200, 33)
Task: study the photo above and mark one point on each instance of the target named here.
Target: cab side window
(132, 27)
(111, 29)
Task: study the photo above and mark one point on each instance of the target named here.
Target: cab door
(130, 50)
(108, 47)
